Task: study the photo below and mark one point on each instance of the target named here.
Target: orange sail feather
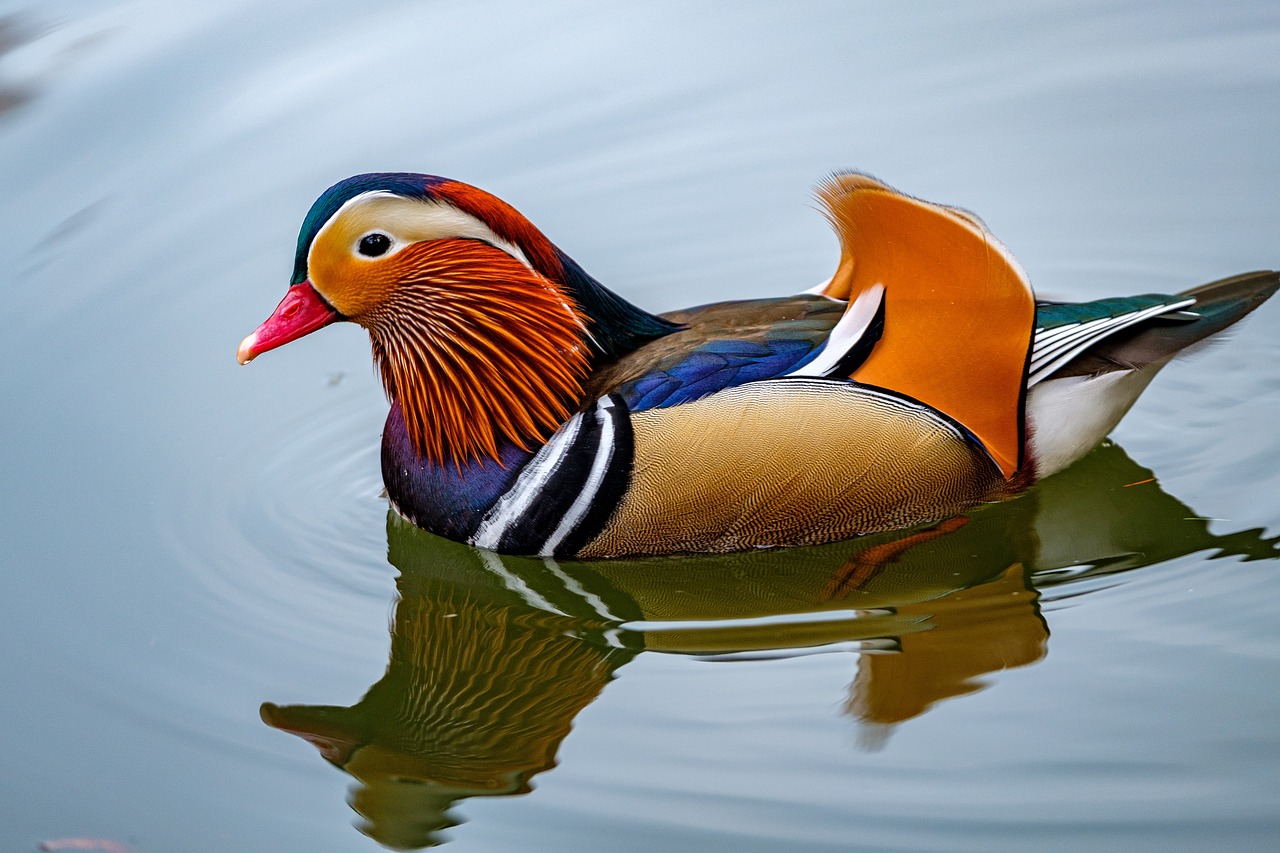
(959, 309)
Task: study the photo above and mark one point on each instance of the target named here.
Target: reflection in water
(987, 628)
(480, 690)
(493, 657)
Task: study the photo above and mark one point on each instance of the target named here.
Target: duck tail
(1101, 382)
(1218, 305)
(1224, 302)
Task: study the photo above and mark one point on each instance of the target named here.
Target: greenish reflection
(493, 657)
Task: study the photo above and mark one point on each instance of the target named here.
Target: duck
(534, 411)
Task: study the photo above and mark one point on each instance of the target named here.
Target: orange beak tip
(245, 353)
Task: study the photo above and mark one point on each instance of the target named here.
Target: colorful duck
(534, 411)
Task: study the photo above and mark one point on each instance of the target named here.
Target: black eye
(374, 245)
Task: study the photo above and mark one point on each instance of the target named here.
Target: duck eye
(374, 245)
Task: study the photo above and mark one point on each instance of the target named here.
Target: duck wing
(1128, 333)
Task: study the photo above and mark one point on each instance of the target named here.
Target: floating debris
(105, 845)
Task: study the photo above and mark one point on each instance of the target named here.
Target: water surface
(218, 639)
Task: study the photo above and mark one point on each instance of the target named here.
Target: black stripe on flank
(526, 534)
(617, 479)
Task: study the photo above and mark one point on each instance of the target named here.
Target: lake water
(216, 639)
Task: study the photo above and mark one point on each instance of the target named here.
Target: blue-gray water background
(184, 539)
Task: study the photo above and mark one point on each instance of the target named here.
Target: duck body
(706, 427)
(536, 412)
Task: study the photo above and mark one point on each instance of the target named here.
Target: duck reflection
(480, 690)
(493, 657)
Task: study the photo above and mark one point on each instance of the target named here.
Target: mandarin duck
(534, 411)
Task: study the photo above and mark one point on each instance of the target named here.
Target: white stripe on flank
(766, 387)
(582, 504)
(528, 486)
(846, 334)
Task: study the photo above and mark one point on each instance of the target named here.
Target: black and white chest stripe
(565, 494)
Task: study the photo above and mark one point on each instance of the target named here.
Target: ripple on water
(296, 527)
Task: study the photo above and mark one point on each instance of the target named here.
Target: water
(1091, 667)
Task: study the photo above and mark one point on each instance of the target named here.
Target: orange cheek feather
(475, 347)
(352, 286)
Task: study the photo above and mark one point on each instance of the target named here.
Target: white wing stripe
(1047, 336)
(1045, 360)
(847, 332)
(1089, 331)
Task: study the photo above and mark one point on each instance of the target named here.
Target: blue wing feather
(714, 366)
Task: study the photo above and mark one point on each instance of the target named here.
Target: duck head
(482, 329)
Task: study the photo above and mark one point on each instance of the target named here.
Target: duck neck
(616, 326)
(449, 499)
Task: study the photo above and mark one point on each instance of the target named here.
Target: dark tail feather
(1218, 304)
(1221, 303)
